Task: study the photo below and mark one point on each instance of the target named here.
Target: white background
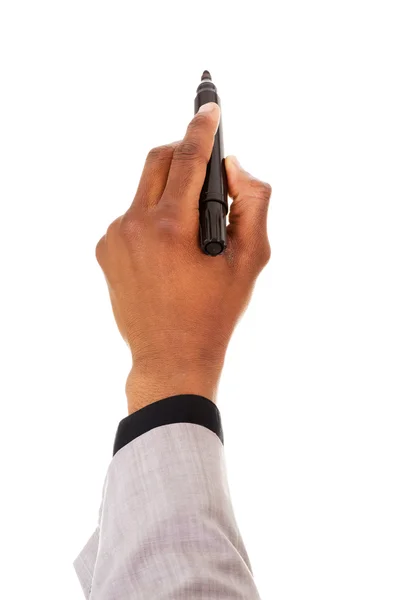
(310, 392)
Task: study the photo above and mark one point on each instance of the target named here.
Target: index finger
(189, 162)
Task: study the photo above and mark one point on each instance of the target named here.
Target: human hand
(176, 307)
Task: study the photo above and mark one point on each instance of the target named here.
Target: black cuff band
(185, 408)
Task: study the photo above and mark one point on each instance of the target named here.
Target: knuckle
(188, 150)
(112, 230)
(100, 249)
(199, 122)
(264, 256)
(163, 152)
(168, 225)
(255, 257)
(130, 226)
(260, 189)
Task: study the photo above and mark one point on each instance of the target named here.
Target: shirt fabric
(166, 528)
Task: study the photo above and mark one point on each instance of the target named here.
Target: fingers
(189, 162)
(248, 214)
(154, 176)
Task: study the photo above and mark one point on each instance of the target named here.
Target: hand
(176, 307)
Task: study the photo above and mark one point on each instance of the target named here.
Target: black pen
(213, 201)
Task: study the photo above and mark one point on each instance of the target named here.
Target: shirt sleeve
(166, 526)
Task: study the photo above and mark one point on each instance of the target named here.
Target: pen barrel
(213, 201)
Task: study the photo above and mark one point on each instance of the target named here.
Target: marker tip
(206, 75)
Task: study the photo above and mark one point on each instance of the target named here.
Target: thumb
(248, 214)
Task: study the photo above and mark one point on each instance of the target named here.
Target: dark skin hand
(176, 307)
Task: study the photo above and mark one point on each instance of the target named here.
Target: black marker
(213, 202)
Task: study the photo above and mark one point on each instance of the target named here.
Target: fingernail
(209, 107)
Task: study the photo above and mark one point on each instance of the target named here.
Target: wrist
(147, 384)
